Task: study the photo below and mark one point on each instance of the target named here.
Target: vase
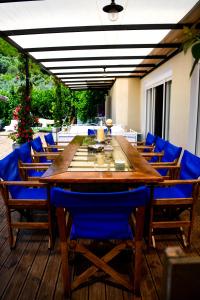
(16, 145)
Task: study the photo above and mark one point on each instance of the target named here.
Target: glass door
(158, 109)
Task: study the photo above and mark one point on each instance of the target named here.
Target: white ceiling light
(113, 10)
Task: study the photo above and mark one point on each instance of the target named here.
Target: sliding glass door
(158, 109)
(197, 143)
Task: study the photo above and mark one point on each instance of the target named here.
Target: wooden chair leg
(151, 238)
(137, 268)
(50, 229)
(12, 238)
(185, 241)
(64, 249)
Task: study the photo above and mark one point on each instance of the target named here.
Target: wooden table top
(142, 171)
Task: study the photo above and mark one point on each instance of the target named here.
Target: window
(158, 109)
(193, 144)
(197, 143)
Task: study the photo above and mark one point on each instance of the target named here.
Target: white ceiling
(65, 13)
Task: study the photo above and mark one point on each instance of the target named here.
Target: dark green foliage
(87, 103)
(49, 98)
(42, 102)
(192, 40)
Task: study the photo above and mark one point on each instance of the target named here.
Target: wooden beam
(149, 65)
(95, 47)
(103, 58)
(101, 72)
(93, 28)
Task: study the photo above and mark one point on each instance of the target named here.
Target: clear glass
(93, 156)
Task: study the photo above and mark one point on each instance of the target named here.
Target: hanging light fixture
(113, 9)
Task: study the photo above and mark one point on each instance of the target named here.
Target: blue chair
(40, 152)
(26, 163)
(92, 131)
(100, 216)
(172, 197)
(157, 151)
(170, 157)
(51, 144)
(148, 144)
(150, 139)
(23, 196)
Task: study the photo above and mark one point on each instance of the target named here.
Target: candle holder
(109, 130)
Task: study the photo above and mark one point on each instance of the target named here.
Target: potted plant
(192, 40)
(25, 120)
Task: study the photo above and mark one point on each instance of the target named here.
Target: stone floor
(6, 143)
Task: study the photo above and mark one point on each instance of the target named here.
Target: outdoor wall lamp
(113, 9)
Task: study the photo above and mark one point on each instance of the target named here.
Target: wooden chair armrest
(144, 147)
(44, 154)
(152, 154)
(33, 167)
(35, 164)
(179, 181)
(170, 167)
(24, 183)
(156, 164)
(55, 147)
(140, 143)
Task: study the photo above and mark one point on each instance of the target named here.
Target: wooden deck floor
(31, 271)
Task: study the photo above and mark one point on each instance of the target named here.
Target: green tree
(87, 103)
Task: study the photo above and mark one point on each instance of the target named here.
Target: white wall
(128, 99)
(125, 103)
(178, 69)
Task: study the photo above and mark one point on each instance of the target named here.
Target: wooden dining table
(117, 166)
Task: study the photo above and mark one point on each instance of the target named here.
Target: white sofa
(45, 122)
(12, 126)
(74, 130)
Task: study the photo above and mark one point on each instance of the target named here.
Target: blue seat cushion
(177, 191)
(100, 215)
(122, 231)
(33, 173)
(30, 193)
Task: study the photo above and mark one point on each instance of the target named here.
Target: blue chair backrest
(189, 169)
(159, 147)
(37, 145)
(150, 139)
(171, 153)
(9, 170)
(100, 215)
(24, 153)
(92, 131)
(160, 144)
(50, 141)
(190, 166)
